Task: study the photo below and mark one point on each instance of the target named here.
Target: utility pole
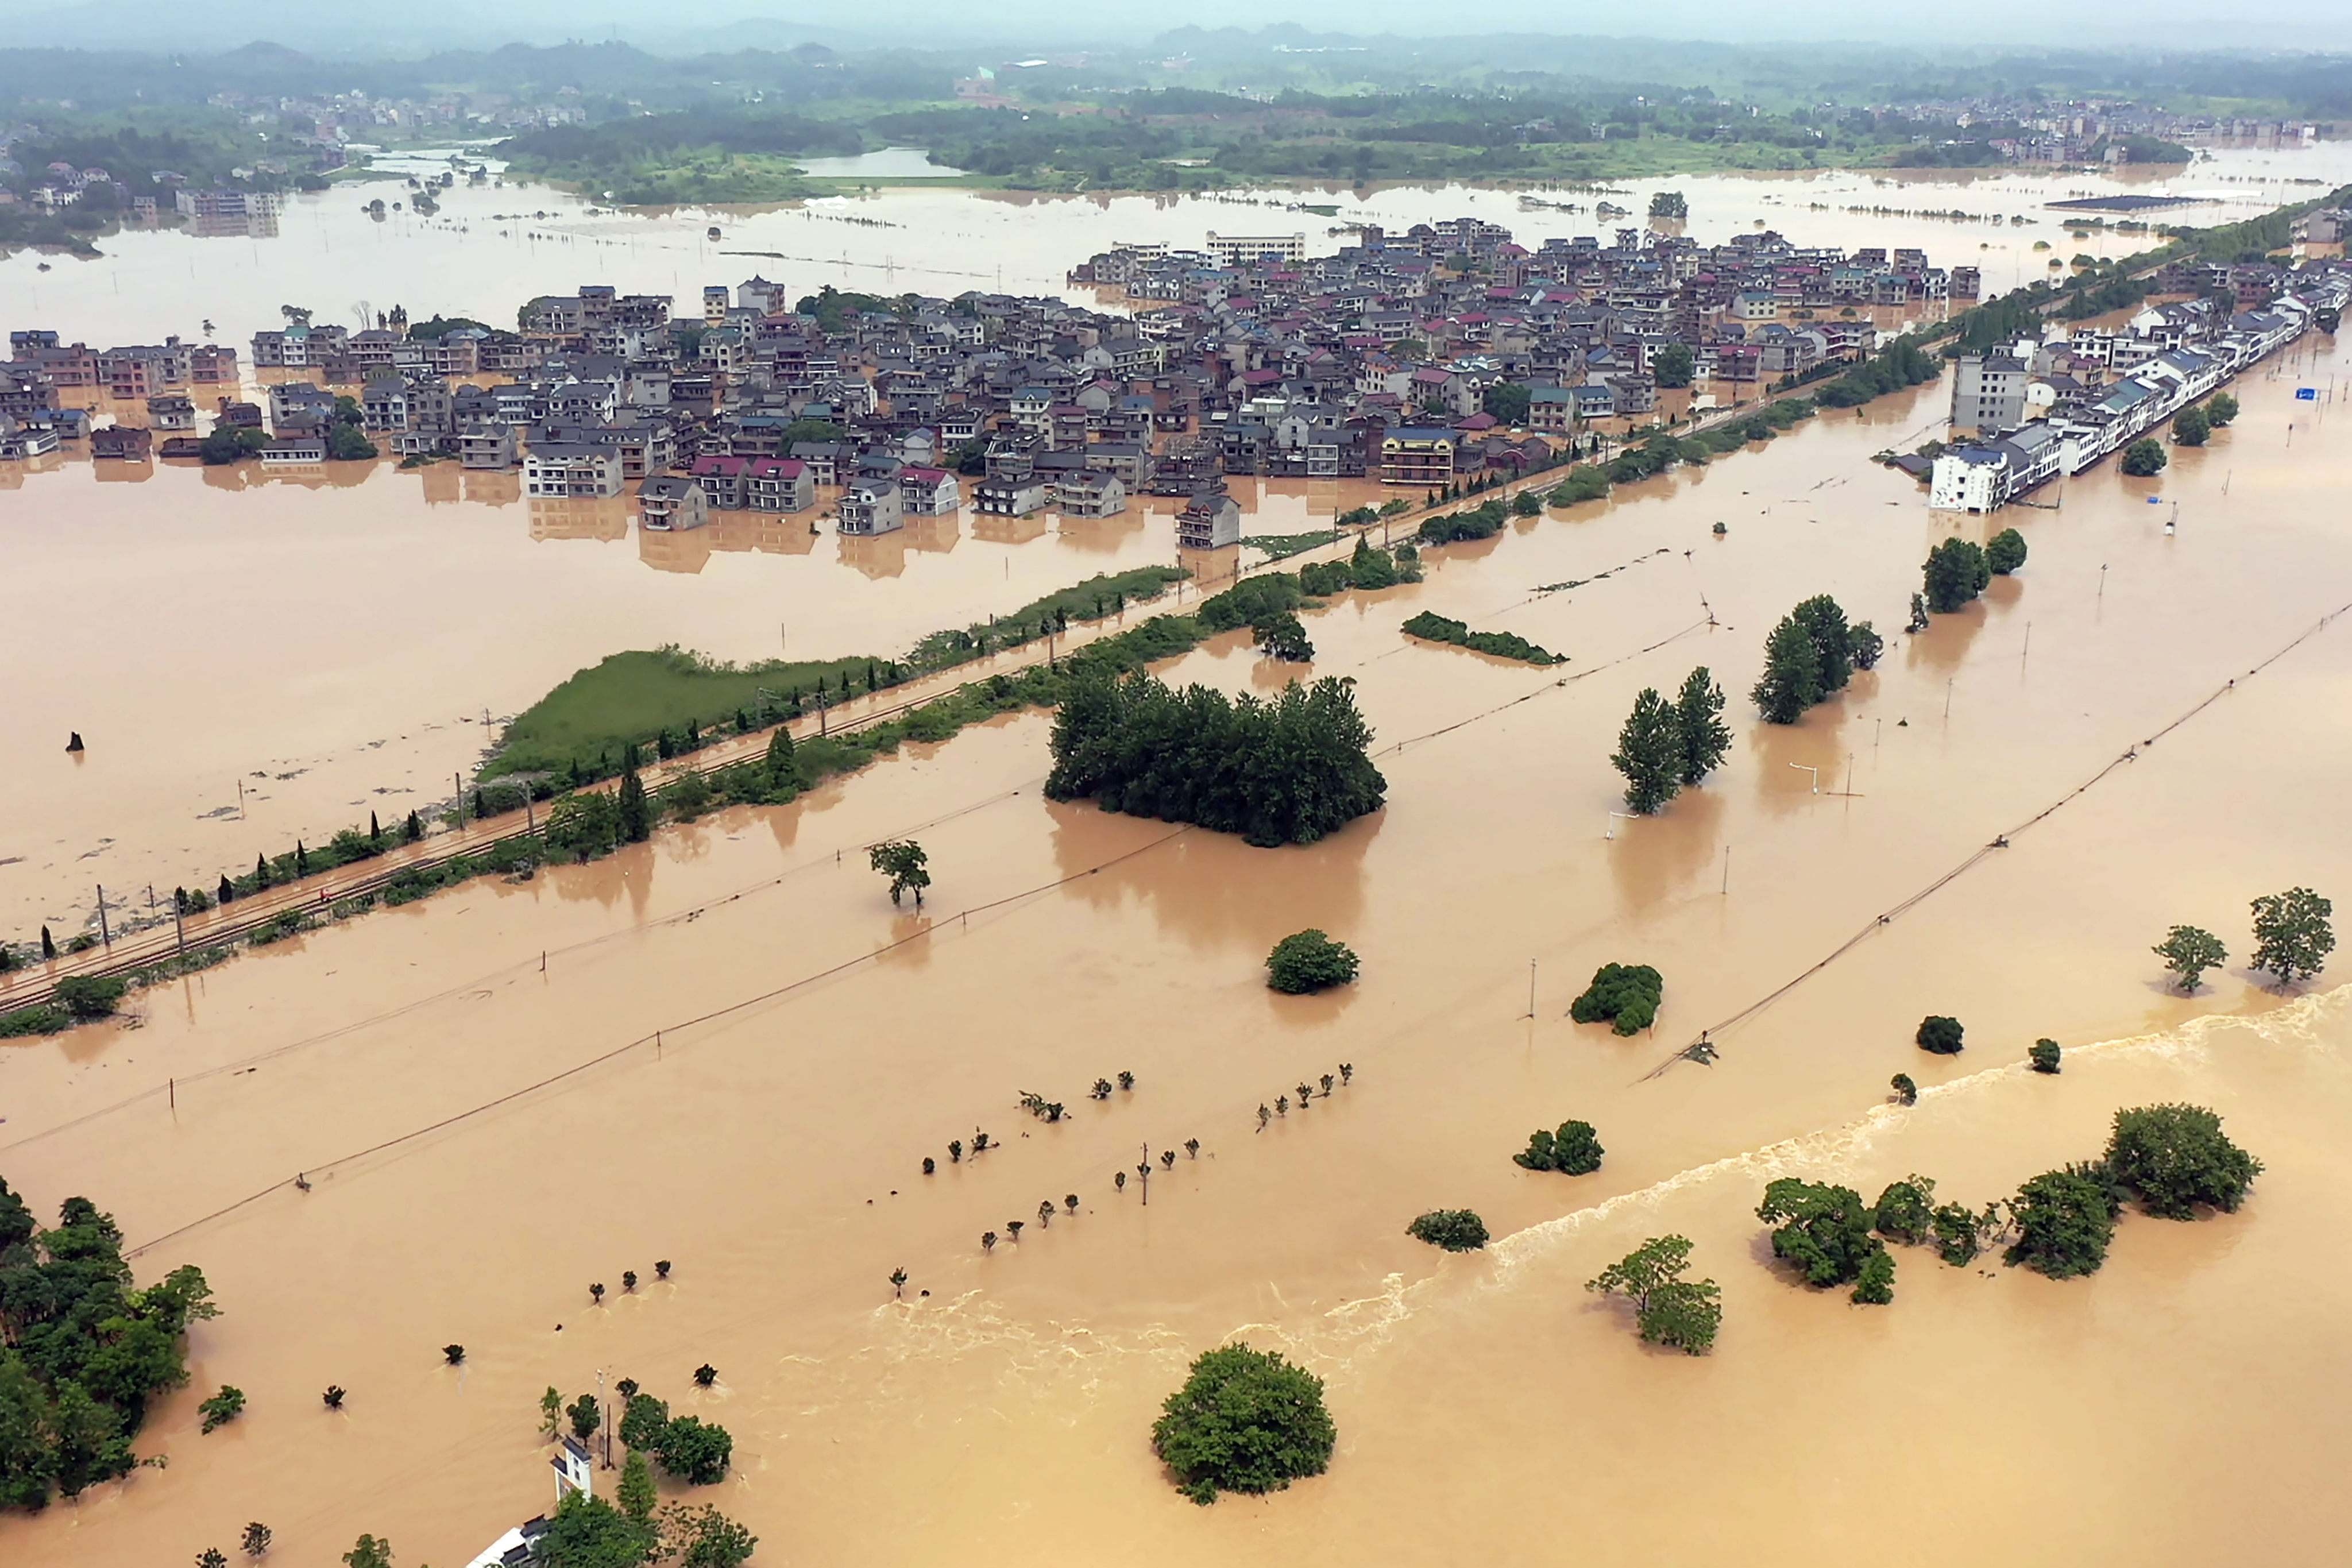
(1726, 869)
(103, 935)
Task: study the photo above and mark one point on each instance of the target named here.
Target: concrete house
(1091, 492)
(571, 470)
(870, 506)
(929, 492)
(1211, 519)
(668, 503)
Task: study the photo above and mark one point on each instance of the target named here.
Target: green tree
(256, 1540)
(1824, 622)
(1698, 717)
(348, 442)
(212, 1557)
(643, 1421)
(1822, 1228)
(1282, 636)
(2043, 1056)
(695, 1452)
(1957, 571)
(2190, 426)
(551, 1413)
(1959, 1234)
(2175, 1157)
(782, 768)
(1668, 1309)
(1455, 1230)
(2292, 936)
(1506, 401)
(636, 1496)
(2188, 951)
(703, 1538)
(369, 1553)
(1906, 1210)
(1527, 503)
(586, 1531)
(2005, 551)
(2144, 458)
(1673, 365)
(2220, 409)
(1791, 681)
(2065, 1218)
(1940, 1034)
(1650, 752)
(1244, 1421)
(1874, 1286)
(636, 813)
(585, 1416)
(1309, 961)
(1575, 1149)
(904, 862)
(1669, 203)
(1625, 995)
(1905, 1091)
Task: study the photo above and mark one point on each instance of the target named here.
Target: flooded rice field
(726, 1050)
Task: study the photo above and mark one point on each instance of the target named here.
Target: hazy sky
(2094, 24)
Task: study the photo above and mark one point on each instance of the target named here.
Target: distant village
(1441, 356)
(2042, 408)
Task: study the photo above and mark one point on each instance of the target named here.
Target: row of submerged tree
(2173, 1161)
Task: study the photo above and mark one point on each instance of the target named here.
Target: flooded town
(486, 669)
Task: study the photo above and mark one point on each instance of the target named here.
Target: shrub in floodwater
(1244, 1421)
(1905, 1211)
(453, 1354)
(695, 1452)
(2065, 1218)
(2043, 1055)
(256, 1540)
(643, 1420)
(1668, 1308)
(1958, 1234)
(1456, 1230)
(1627, 996)
(222, 1407)
(1573, 1150)
(1906, 1092)
(90, 995)
(2175, 1157)
(661, 1269)
(2144, 458)
(1939, 1035)
(333, 1397)
(1875, 1286)
(1309, 961)
(1822, 1228)
(705, 1375)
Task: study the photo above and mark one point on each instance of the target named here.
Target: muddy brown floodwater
(2184, 1405)
(260, 658)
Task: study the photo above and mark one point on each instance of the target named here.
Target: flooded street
(725, 1049)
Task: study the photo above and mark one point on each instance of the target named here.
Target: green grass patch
(1283, 546)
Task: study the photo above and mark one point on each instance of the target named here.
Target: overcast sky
(2092, 24)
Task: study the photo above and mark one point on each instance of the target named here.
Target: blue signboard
(2307, 394)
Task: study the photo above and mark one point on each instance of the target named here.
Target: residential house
(668, 503)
